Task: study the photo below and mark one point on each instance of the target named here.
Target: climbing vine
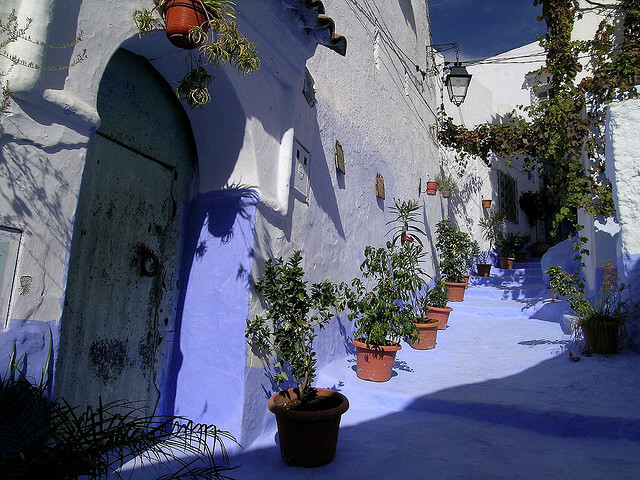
(569, 126)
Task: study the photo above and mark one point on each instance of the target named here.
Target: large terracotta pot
(466, 280)
(484, 269)
(375, 363)
(180, 17)
(432, 188)
(441, 315)
(506, 262)
(427, 333)
(603, 340)
(308, 438)
(456, 291)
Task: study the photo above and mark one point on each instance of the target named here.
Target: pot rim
(441, 309)
(386, 348)
(308, 416)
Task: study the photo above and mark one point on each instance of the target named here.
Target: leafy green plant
(454, 250)
(556, 135)
(436, 296)
(512, 243)
(288, 328)
(220, 43)
(492, 227)
(406, 224)
(447, 183)
(41, 438)
(606, 312)
(381, 305)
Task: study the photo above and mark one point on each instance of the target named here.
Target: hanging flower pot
(180, 17)
(432, 188)
(446, 193)
(486, 203)
(308, 437)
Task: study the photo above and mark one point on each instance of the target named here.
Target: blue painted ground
(498, 398)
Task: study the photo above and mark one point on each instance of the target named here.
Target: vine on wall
(570, 124)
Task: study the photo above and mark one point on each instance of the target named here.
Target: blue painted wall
(208, 367)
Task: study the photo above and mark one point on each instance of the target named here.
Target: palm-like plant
(40, 438)
(406, 223)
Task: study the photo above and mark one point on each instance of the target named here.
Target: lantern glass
(457, 83)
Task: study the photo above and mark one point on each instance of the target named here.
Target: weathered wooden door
(122, 289)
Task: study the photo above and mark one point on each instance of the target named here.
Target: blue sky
(485, 27)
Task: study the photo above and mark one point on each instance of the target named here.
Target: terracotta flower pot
(427, 333)
(521, 257)
(484, 269)
(446, 193)
(180, 17)
(432, 188)
(506, 262)
(603, 340)
(308, 438)
(374, 363)
(486, 203)
(441, 315)
(456, 291)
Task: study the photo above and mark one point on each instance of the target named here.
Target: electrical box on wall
(301, 161)
(9, 245)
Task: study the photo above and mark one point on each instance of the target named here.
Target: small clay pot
(427, 333)
(375, 362)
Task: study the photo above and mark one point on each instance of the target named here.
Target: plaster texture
(373, 101)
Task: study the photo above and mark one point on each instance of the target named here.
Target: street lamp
(457, 79)
(457, 83)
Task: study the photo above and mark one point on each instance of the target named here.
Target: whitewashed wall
(498, 86)
(373, 101)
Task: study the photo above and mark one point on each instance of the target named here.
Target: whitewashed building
(132, 225)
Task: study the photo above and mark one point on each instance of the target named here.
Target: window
(508, 196)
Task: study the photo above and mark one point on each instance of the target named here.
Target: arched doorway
(121, 295)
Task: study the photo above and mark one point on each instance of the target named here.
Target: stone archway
(121, 296)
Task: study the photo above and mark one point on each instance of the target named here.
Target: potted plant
(491, 227)
(601, 321)
(447, 185)
(433, 304)
(509, 245)
(454, 247)
(287, 330)
(380, 307)
(432, 187)
(405, 224)
(207, 24)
